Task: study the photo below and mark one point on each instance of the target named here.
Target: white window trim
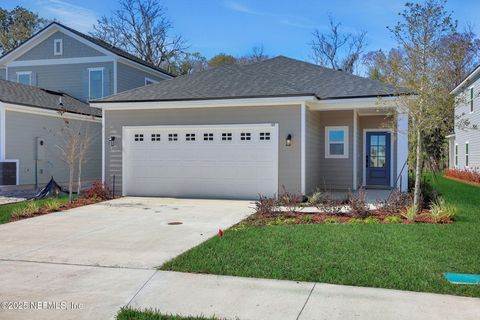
(471, 99)
(151, 80)
(327, 142)
(55, 52)
(467, 154)
(22, 73)
(455, 153)
(89, 86)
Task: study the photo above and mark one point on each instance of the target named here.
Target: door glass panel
(377, 151)
(373, 140)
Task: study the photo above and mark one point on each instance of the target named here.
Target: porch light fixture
(112, 141)
(288, 141)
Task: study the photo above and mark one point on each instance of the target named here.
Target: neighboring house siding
(288, 118)
(129, 77)
(21, 132)
(375, 122)
(468, 133)
(71, 49)
(69, 78)
(313, 150)
(3, 73)
(335, 174)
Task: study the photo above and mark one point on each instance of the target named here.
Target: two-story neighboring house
(59, 69)
(464, 144)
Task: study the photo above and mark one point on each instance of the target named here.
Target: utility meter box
(41, 148)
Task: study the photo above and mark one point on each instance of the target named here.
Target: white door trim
(365, 150)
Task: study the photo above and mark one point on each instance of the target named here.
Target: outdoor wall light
(112, 140)
(288, 141)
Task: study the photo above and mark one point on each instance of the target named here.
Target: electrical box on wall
(41, 148)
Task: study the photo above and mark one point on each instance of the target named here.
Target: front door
(378, 159)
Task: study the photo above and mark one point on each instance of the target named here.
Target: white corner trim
(364, 163)
(60, 51)
(355, 154)
(47, 112)
(345, 142)
(303, 146)
(103, 146)
(2, 131)
(402, 149)
(115, 76)
(60, 61)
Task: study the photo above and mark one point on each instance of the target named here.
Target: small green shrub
(280, 221)
(392, 219)
(355, 221)
(52, 205)
(371, 220)
(331, 220)
(307, 219)
(411, 213)
(441, 211)
(315, 198)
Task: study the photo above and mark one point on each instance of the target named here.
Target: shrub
(30, 209)
(411, 213)
(331, 220)
(52, 205)
(392, 219)
(98, 190)
(371, 220)
(354, 221)
(397, 201)
(266, 206)
(440, 211)
(358, 204)
(466, 175)
(307, 219)
(289, 200)
(316, 198)
(429, 194)
(279, 221)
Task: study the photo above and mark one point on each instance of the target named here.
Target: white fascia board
(143, 68)
(466, 81)
(50, 62)
(51, 113)
(280, 101)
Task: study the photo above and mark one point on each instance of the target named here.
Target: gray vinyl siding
(71, 49)
(287, 117)
(374, 122)
(468, 133)
(313, 150)
(3, 73)
(129, 77)
(20, 143)
(69, 78)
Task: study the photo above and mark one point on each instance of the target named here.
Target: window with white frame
(336, 142)
(456, 155)
(95, 83)
(58, 47)
(471, 98)
(466, 154)
(149, 81)
(24, 77)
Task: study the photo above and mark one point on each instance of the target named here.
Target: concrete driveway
(127, 232)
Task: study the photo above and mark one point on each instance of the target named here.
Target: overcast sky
(235, 26)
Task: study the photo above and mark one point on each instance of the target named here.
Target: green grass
(405, 257)
(7, 210)
(132, 314)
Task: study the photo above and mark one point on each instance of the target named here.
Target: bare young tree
(85, 141)
(257, 54)
(69, 152)
(336, 49)
(142, 28)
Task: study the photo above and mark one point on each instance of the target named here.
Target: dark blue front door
(378, 159)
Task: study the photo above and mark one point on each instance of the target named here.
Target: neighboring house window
(150, 81)
(471, 98)
(336, 142)
(466, 154)
(58, 47)
(95, 83)
(456, 155)
(24, 77)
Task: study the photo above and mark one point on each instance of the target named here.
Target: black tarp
(51, 189)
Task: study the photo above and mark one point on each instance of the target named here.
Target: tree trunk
(79, 185)
(70, 184)
(418, 170)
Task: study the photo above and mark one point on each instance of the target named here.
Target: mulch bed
(43, 210)
(464, 181)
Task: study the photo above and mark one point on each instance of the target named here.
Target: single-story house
(238, 131)
(33, 122)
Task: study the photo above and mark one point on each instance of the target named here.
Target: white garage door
(225, 161)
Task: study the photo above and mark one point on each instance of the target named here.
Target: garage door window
(138, 137)
(190, 137)
(172, 137)
(244, 136)
(264, 135)
(155, 136)
(226, 136)
(208, 136)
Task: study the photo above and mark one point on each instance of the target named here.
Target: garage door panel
(236, 168)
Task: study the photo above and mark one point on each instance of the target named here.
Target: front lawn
(407, 257)
(7, 209)
(132, 314)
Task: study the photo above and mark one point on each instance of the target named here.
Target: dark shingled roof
(17, 93)
(276, 77)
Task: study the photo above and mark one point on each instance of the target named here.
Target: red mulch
(463, 180)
